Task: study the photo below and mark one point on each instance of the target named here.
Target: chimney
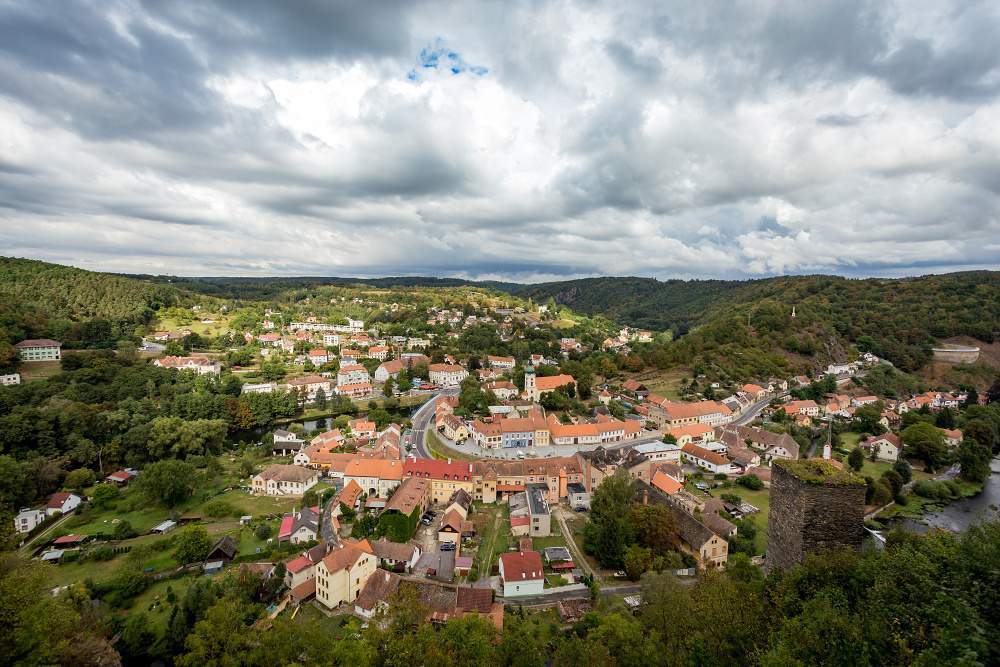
(645, 496)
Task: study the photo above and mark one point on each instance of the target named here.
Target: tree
(945, 418)
(320, 400)
(192, 544)
(609, 532)
(387, 388)
(167, 482)
(655, 527)
(79, 479)
(974, 460)
(925, 442)
(751, 481)
(637, 560)
(902, 468)
(856, 459)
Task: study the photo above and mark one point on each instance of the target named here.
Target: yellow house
(454, 428)
(342, 575)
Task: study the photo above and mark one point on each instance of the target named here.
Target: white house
(12, 378)
(39, 349)
(886, 447)
(522, 573)
(27, 519)
(707, 460)
(260, 388)
(62, 502)
(353, 374)
(447, 375)
(284, 480)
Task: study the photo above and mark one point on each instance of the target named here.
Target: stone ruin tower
(815, 506)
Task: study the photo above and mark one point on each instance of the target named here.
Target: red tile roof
(437, 469)
(522, 566)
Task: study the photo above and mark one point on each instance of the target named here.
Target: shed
(224, 550)
(164, 527)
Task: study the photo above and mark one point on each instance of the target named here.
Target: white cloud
(576, 139)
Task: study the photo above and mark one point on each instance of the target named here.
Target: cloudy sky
(516, 140)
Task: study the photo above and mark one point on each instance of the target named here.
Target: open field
(38, 370)
(664, 383)
(219, 327)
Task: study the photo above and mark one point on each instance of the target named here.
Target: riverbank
(973, 504)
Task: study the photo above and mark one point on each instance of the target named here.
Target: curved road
(421, 418)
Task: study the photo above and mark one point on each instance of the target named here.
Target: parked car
(447, 546)
(580, 509)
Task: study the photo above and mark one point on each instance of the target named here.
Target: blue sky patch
(437, 55)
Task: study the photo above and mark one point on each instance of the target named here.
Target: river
(960, 514)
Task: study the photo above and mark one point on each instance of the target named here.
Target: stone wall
(958, 355)
(807, 517)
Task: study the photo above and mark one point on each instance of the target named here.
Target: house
(743, 457)
(300, 526)
(379, 352)
(122, 477)
(410, 499)
(376, 477)
(603, 430)
(461, 502)
(711, 461)
(286, 443)
(450, 529)
(666, 483)
(500, 363)
(224, 549)
(39, 349)
(309, 385)
(375, 596)
(774, 445)
(331, 439)
(62, 503)
(698, 540)
(352, 374)
(697, 434)
(671, 414)
(860, 401)
(445, 477)
(10, 379)
(200, 365)
(538, 511)
(636, 387)
(284, 480)
(389, 369)
(756, 392)
(885, 447)
(401, 557)
(343, 573)
(318, 356)
(359, 390)
(659, 451)
(578, 496)
(952, 436)
(521, 573)
(362, 428)
(808, 408)
(259, 388)
(454, 428)
(446, 375)
(535, 387)
(27, 519)
(349, 496)
(502, 389)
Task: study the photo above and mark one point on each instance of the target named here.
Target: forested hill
(272, 289)
(639, 302)
(43, 300)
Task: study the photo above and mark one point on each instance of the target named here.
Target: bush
(752, 482)
(79, 479)
(220, 508)
(263, 531)
(105, 496)
(123, 531)
(731, 498)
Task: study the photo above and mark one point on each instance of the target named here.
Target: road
(421, 418)
(754, 410)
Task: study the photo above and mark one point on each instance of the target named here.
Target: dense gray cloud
(518, 140)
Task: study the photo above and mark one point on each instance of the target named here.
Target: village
(481, 497)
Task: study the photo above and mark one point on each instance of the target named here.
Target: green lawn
(38, 370)
(153, 601)
(441, 451)
(339, 626)
(761, 500)
(492, 542)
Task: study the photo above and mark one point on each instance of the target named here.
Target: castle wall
(810, 517)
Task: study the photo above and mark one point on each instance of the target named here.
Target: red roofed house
(62, 502)
(341, 575)
(522, 573)
(708, 460)
(666, 483)
(534, 386)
